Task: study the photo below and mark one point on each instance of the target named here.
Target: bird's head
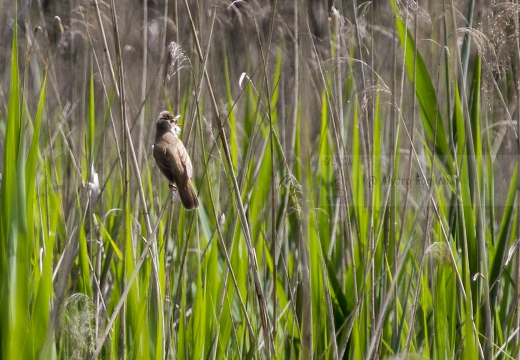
(168, 123)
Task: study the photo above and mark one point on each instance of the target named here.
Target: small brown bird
(173, 159)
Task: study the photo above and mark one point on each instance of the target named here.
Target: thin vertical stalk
(516, 64)
(473, 174)
(265, 60)
(243, 218)
(144, 79)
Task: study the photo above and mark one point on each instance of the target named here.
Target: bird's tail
(188, 196)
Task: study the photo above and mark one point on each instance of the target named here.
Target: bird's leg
(173, 189)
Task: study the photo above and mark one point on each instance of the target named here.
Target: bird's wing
(185, 159)
(170, 165)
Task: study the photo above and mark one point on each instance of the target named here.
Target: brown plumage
(173, 159)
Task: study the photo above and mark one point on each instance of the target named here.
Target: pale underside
(173, 160)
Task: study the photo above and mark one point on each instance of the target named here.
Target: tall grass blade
(424, 90)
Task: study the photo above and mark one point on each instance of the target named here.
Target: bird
(173, 159)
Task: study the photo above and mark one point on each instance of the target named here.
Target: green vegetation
(356, 172)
